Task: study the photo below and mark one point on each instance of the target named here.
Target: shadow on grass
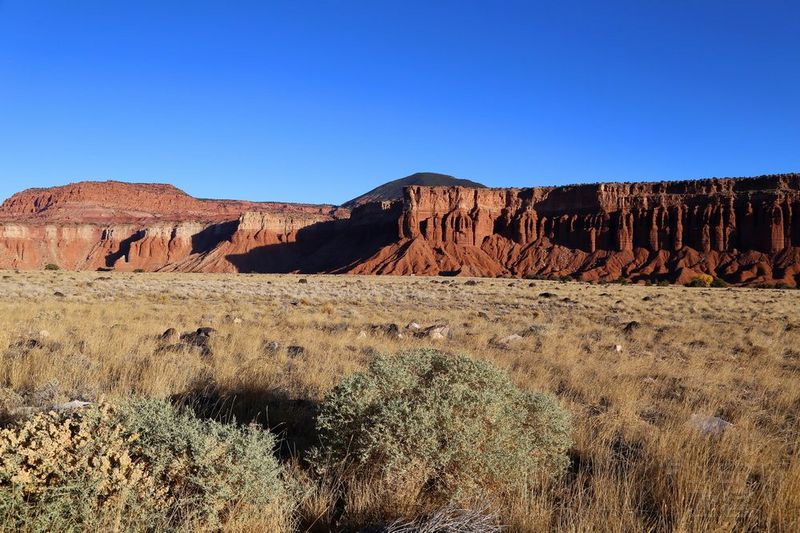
(292, 420)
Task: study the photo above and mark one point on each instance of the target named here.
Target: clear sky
(321, 101)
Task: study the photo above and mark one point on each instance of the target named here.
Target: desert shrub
(57, 472)
(449, 424)
(719, 283)
(138, 271)
(52, 266)
(141, 465)
(207, 465)
(701, 280)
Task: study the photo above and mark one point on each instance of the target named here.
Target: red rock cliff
(123, 226)
(743, 230)
(740, 229)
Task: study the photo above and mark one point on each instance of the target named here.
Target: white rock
(710, 425)
(618, 348)
(510, 339)
(413, 325)
(362, 334)
(437, 332)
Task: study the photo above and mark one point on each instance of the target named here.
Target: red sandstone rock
(124, 226)
(744, 230)
(122, 203)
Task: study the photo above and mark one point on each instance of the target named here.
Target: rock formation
(742, 230)
(124, 226)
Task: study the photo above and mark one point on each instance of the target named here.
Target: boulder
(709, 425)
(507, 341)
(437, 332)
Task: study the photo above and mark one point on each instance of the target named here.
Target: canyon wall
(743, 230)
(124, 226)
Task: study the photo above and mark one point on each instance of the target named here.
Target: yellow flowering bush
(701, 280)
(50, 448)
(138, 466)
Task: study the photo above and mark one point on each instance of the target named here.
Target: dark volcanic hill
(393, 190)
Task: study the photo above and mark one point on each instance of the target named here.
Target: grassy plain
(631, 363)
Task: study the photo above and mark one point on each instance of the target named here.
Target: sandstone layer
(123, 226)
(742, 230)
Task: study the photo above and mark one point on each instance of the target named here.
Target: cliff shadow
(208, 238)
(331, 246)
(124, 249)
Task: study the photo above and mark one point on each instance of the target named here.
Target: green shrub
(52, 266)
(138, 271)
(719, 283)
(142, 465)
(453, 425)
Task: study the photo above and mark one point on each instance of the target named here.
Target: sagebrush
(448, 425)
(142, 465)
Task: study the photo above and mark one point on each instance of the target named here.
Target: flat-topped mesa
(125, 226)
(723, 215)
(118, 202)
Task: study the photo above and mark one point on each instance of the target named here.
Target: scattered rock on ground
(390, 330)
(632, 326)
(295, 351)
(437, 332)
(169, 335)
(201, 338)
(270, 347)
(710, 425)
(507, 341)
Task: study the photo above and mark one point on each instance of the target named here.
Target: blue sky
(320, 101)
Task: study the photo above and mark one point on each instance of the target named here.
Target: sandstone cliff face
(740, 229)
(122, 226)
(743, 230)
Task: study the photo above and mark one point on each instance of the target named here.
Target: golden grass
(637, 462)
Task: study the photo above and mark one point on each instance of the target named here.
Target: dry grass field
(637, 367)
